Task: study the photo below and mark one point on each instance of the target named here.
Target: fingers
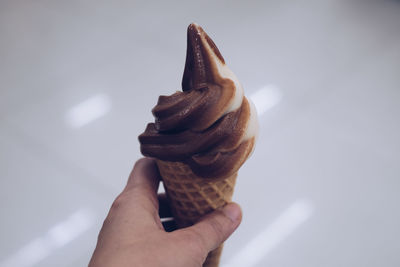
(144, 175)
(215, 228)
(143, 181)
(137, 205)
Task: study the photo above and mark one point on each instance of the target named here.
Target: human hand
(133, 235)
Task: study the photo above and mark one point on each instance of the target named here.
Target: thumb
(216, 227)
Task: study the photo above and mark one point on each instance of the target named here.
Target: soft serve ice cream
(209, 126)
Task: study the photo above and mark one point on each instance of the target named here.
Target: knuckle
(116, 208)
(118, 202)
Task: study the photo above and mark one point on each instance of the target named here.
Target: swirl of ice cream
(210, 125)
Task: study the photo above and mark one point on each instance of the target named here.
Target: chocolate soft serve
(210, 125)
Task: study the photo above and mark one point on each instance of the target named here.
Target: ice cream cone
(202, 135)
(191, 197)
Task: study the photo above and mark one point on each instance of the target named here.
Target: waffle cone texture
(191, 197)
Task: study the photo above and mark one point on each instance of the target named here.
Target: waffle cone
(191, 197)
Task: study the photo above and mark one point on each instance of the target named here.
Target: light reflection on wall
(270, 237)
(266, 98)
(88, 111)
(56, 237)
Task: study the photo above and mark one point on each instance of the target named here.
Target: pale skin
(133, 235)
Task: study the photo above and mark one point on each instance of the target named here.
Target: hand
(133, 235)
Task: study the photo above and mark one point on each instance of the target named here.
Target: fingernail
(232, 211)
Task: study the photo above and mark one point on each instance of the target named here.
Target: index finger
(141, 188)
(144, 175)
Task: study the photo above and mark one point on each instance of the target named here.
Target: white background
(78, 80)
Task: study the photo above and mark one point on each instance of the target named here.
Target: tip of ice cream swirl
(210, 125)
